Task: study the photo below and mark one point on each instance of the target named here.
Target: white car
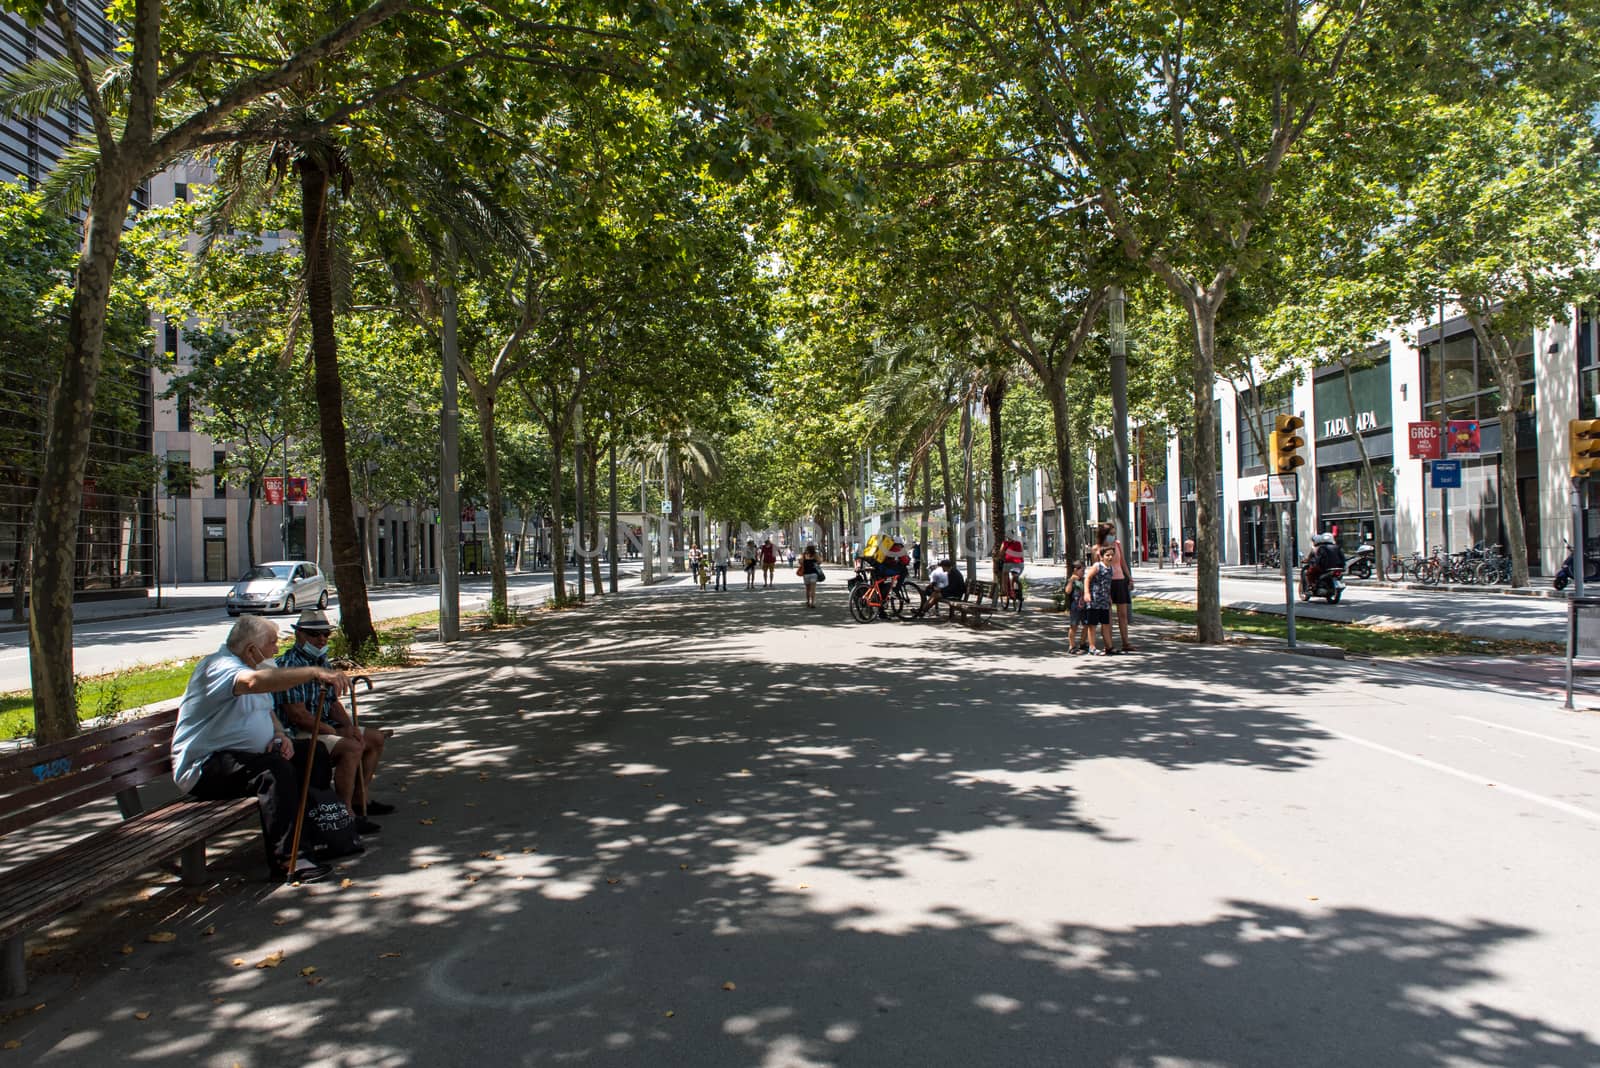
(279, 586)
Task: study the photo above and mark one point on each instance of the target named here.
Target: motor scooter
(1591, 571)
(1360, 565)
(1329, 584)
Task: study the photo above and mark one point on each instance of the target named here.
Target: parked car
(279, 586)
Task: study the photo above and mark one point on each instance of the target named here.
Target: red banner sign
(1425, 441)
(297, 491)
(274, 488)
(1462, 438)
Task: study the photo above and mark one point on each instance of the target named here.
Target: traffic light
(1584, 441)
(1287, 443)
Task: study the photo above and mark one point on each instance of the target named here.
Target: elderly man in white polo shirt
(227, 743)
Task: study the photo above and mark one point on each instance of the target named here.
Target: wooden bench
(53, 780)
(977, 601)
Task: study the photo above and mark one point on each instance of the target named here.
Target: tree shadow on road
(609, 818)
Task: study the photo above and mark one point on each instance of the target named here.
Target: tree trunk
(60, 497)
(927, 498)
(558, 543)
(483, 400)
(355, 615)
(1208, 595)
(591, 459)
(1510, 499)
(1066, 494)
(522, 538)
(994, 397)
(969, 532)
(950, 547)
(250, 520)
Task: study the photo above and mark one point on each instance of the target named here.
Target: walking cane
(355, 723)
(305, 781)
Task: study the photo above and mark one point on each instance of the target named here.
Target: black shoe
(378, 808)
(366, 826)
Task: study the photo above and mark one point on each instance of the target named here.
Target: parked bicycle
(878, 598)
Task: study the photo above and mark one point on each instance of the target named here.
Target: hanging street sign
(1425, 440)
(296, 489)
(274, 489)
(1446, 474)
(1283, 489)
(666, 507)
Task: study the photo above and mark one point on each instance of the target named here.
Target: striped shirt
(307, 693)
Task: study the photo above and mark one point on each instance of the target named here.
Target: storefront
(1460, 383)
(1258, 521)
(1350, 491)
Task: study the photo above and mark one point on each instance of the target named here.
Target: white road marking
(1473, 777)
(1531, 734)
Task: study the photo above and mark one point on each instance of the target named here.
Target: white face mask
(312, 650)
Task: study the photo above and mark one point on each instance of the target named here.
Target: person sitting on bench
(355, 750)
(945, 584)
(227, 743)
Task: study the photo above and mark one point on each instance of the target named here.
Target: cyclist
(1011, 558)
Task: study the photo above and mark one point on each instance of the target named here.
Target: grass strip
(1353, 638)
(103, 695)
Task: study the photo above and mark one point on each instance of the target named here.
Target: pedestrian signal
(1287, 443)
(1584, 440)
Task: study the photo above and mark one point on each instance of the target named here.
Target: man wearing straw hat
(355, 750)
(227, 743)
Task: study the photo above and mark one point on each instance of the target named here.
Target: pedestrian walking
(722, 568)
(769, 563)
(1177, 553)
(751, 557)
(810, 572)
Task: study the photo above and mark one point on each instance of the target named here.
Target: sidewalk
(699, 830)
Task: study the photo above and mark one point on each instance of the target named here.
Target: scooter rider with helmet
(1326, 556)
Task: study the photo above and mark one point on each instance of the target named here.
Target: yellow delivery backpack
(877, 547)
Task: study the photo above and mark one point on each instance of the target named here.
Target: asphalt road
(103, 645)
(721, 830)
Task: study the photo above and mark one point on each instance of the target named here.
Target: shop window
(1277, 399)
(179, 476)
(1458, 519)
(184, 415)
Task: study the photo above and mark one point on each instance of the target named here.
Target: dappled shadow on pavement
(693, 830)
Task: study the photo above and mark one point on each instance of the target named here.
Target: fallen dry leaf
(237, 962)
(529, 849)
(683, 867)
(201, 899)
(426, 864)
(728, 986)
(210, 930)
(345, 884)
(669, 1012)
(126, 950)
(314, 980)
(141, 1015)
(487, 853)
(427, 821)
(15, 1043)
(391, 953)
(499, 856)
(472, 879)
(472, 804)
(376, 893)
(612, 882)
(161, 936)
(272, 960)
(280, 921)
(309, 969)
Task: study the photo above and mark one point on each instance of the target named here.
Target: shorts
(1015, 569)
(1097, 617)
(1075, 615)
(328, 740)
(1121, 591)
(810, 578)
